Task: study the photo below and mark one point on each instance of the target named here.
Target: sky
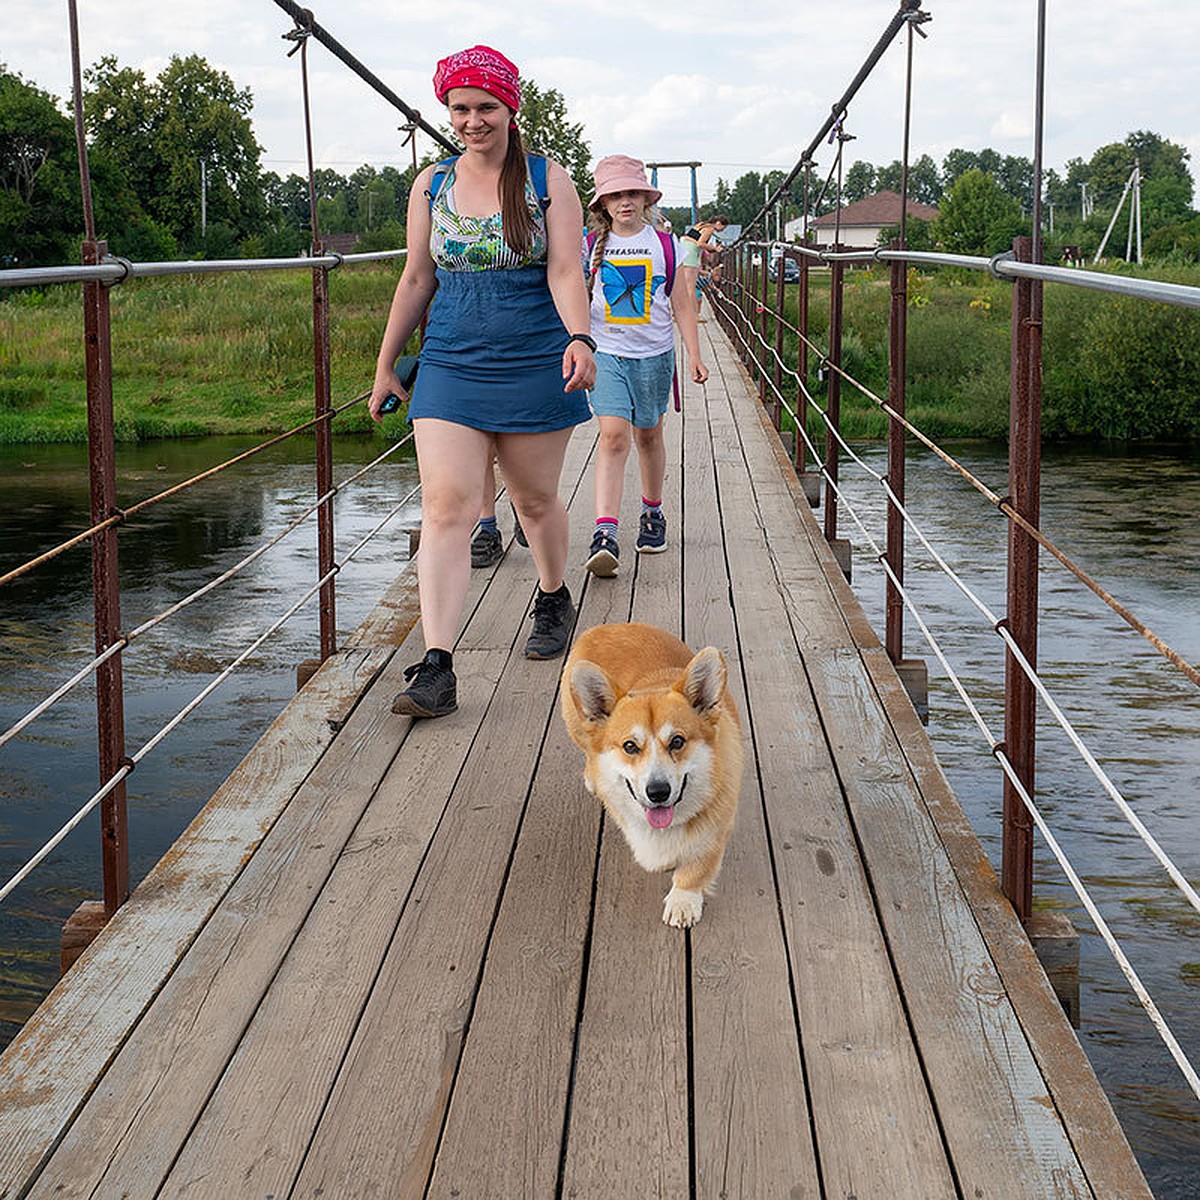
(673, 81)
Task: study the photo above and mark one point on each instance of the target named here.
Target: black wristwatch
(585, 338)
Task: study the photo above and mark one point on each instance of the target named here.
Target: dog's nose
(658, 790)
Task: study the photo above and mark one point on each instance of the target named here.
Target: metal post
(834, 404)
(897, 367)
(695, 198)
(324, 452)
(777, 369)
(762, 297)
(800, 451)
(1024, 484)
(102, 476)
(106, 593)
(323, 440)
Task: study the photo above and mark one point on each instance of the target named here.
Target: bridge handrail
(1005, 266)
(996, 746)
(116, 270)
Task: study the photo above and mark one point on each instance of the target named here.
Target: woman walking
(505, 359)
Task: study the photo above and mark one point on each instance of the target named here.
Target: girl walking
(634, 305)
(505, 359)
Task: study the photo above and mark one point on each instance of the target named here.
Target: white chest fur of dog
(663, 749)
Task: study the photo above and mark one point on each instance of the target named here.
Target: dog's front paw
(682, 909)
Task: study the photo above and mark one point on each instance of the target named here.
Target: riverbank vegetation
(233, 354)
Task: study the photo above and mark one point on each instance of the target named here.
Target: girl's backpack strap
(668, 245)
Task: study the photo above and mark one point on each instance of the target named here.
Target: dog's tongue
(660, 816)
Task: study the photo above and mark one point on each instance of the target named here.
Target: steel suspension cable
(125, 513)
(128, 766)
(1001, 503)
(996, 747)
(128, 639)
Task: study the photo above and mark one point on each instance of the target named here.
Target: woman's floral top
(459, 243)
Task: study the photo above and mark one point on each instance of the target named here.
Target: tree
(924, 182)
(859, 183)
(41, 220)
(546, 130)
(977, 216)
(163, 130)
(746, 199)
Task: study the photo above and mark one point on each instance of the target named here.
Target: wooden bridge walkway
(406, 960)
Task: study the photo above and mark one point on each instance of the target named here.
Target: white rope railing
(125, 770)
(998, 626)
(128, 639)
(1144, 998)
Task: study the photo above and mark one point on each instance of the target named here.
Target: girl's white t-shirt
(631, 311)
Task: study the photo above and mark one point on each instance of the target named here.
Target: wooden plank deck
(404, 960)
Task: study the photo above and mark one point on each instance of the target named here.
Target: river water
(1129, 520)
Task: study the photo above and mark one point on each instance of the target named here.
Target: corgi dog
(663, 748)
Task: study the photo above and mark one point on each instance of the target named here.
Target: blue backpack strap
(537, 176)
(440, 174)
(668, 245)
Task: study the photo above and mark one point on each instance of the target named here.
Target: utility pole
(203, 199)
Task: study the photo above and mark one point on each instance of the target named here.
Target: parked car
(791, 270)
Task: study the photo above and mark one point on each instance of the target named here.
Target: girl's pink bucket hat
(620, 173)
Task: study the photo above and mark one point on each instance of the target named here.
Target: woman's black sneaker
(553, 616)
(432, 690)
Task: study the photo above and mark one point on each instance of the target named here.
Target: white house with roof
(859, 225)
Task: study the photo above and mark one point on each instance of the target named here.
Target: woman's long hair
(514, 206)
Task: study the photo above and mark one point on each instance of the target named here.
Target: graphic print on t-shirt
(628, 286)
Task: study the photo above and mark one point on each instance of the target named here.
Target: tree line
(177, 172)
(985, 199)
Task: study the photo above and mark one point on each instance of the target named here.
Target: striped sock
(653, 507)
(608, 524)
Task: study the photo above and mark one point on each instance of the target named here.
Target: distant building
(860, 223)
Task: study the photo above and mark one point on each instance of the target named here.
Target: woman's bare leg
(532, 464)
(452, 460)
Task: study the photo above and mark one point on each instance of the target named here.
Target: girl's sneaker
(652, 534)
(603, 555)
(487, 548)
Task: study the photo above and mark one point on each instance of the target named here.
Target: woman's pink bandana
(479, 67)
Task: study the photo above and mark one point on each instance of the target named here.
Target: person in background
(487, 546)
(634, 309)
(505, 360)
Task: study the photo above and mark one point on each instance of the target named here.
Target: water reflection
(165, 553)
(1130, 522)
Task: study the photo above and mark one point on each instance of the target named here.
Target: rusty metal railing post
(897, 368)
(102, 487)
(323, 407)
(834, 404)
(800, 451)
(106, 586)
(1024, 484)
(761, 307)
(777, 367)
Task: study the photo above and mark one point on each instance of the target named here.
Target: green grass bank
(208, 354)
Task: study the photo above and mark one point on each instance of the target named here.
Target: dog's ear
(703, 683)
(591, 691)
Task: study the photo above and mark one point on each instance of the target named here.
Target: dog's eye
(677, 743)
(630, 748)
